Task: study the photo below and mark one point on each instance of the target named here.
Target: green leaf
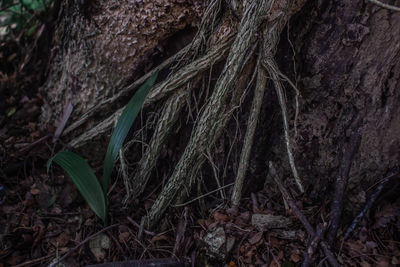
(11, 112)
(85, 180)
(121, 130)
(52, 201)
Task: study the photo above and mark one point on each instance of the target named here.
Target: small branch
(340, 187)
(303, 219)
(138, 226)
(34, 261)
(368, 205)
(313, 244)
(200, 197)
(390, 7)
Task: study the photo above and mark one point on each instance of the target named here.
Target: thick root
(216, 54)
(212, 120)
(249, 137)
(169, 115)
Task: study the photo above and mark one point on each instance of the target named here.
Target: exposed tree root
(226, 97)
(169, 115)
(248, 139)
(211, 122)
(178, 79)
(172, 108)
(273, 70)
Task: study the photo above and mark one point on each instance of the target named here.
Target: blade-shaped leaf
(85, 180)
(121, 130)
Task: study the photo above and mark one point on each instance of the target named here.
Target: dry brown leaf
(159, 237)
(220, 217)
(295, 257)
(124, 236)
(35, 191)
(256, 238)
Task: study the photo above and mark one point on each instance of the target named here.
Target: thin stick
(340, 187)
(34, 261)
(200, 197)
(303, 219)
(138, 226)
(390, 7)
(368, 205)
(312, 247)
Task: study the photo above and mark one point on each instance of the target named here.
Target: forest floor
(43, 216)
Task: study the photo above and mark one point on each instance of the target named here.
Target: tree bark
(99, 46)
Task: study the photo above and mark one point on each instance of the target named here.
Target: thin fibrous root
(271, 38)
(169, 115)
(215, 54)
(249, 137)
(273, 71)
(209, 127)
(124, 172)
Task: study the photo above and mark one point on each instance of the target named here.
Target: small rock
(215, 240)
(98, 245)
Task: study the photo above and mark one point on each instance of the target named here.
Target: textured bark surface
(99, 46)
(349, 58)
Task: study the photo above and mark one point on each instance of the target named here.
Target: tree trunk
(342, 56)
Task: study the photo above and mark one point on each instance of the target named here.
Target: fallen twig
(303, 219)
(204, 195)
(34, 261)
(340, 187)
(313, 244)
(367, 206)
(138, 226)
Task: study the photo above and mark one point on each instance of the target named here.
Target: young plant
(79, 170)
